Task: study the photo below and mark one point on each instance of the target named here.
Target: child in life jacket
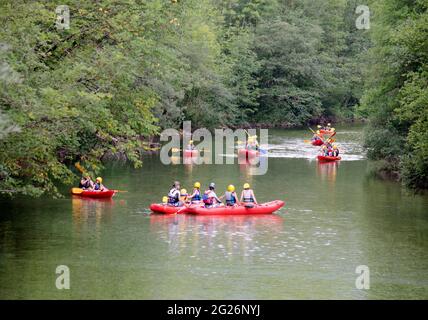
(210, 198)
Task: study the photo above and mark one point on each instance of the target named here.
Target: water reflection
(327, 171)
(90, 213)
(232, 235)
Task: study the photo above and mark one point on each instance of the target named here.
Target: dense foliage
(125, 69)
(396, 99)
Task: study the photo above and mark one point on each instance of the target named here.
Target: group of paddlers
(179, 197)
(328, 147)
(86, 183)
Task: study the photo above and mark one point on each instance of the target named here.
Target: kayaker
(335, 150)
(230, 196)
(210, 198)
(252, 143)
(324, 151)
(99, 185)
(247, 195)
(190, 146)
(183, 195)
(86, 183)
(174, 195)
(316, 136)
(195, 197)
(328, 127)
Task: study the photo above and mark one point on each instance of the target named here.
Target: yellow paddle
(79, 167)
(76, 190)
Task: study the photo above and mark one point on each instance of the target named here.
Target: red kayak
(264, 208)
(166, 209)
(322, 131)
(248, 153)
(95, 194)
(328, 158)
(317, 142)
(191, 153)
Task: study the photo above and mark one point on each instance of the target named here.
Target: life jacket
(247, 196)
(173, 196)
(97, 186)
(230, 198)
(207, 199)
(197, 196)
(85, 185)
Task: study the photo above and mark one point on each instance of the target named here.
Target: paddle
(184, 207)
(76, 190)
(79, 167)
(80, 190)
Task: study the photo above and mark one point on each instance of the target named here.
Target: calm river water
(336, 217)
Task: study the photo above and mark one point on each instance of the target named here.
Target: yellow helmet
(190, 141)
(324, 147)
(230, 188)
(332, 129)
(318, 132)
(197, 185)
(319, 126)
(164, 199)
(246, 186)
(183, 191)
(334, 146)
(99, 179)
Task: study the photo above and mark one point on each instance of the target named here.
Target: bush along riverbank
(396, 95)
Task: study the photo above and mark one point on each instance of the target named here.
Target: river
(337, 217)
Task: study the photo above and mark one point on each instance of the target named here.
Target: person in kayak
(195, 197)
(335, 150)
(230, 196)
(316, 136)
(190, 146)
(210, 198)
(247, 195)
(174, 195)
(86, 183)
(183, 195)
(252, 143)
(98, 186)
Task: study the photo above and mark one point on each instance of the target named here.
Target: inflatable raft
(328, 158)
(248, 153)
(317, 142)
(191, 153)
(166, 209)
(264, 208)
(93, 194)
(322, 131)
